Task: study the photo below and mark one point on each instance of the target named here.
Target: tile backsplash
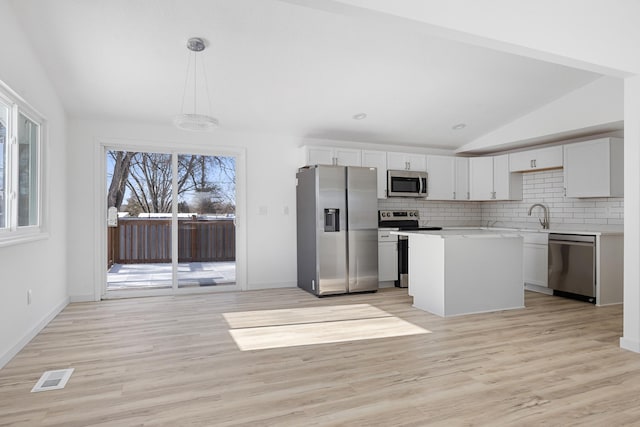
(546, 187)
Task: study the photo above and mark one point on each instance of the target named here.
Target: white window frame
(13, 234)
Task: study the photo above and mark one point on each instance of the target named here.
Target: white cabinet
(461, 191)
(535, 259)
(490, 179)
(378, 160)
(387, 256)
(481, 178)
(531, 160)
(594, 168)
(332, 156)
(441, 181)
(406, 161)
(448, 178)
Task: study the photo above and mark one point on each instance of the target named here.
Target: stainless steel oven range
(406, 220)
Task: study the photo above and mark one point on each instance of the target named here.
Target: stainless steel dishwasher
(572, 266)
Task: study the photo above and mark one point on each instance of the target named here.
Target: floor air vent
(53, 380)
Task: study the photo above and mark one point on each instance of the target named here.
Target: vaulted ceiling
(280, 67)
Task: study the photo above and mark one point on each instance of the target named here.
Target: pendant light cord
(186, 81)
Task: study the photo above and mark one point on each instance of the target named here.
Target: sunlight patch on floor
(263, 329)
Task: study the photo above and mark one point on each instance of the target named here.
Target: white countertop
(463, 233)
(492, 232)
(564, 229)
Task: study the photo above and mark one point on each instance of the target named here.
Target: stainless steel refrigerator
(337, 211)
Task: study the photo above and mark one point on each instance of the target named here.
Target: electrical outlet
(608, 211)
(29, 297)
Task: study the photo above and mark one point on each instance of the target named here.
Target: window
(20, 169)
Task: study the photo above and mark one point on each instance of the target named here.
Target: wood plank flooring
(172, 361)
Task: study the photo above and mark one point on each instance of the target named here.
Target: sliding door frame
(100, 214)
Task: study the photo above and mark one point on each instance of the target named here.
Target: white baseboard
(82, 298)
(539, 289)
(629, 344)
(5, 358)
(271, 285)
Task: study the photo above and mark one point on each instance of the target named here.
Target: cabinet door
(378, 160)
(406, 161)
(535, 261)
(481, 178)
(543, 158)
(547, 158)
(462, 179)
(588, 169)
(417, 162)
(397, 161)
(441, 178)
(348, 157)
(387, 261)
(501, 177)
(319, 156)
(521, 162)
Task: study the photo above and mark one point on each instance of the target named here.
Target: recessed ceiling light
(360, 116)
(459, 126)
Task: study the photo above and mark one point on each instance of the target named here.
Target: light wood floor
(172, 361)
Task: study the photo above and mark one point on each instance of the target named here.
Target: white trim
(142, 293)
(10, 354)
(101, 145)
(272, 285)
(82, 298)
(12, 234)
(17, 238)
(629, 344)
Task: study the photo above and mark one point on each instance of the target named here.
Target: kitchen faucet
(545, 221)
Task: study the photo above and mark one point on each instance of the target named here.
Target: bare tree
(147, 178)
(120, 175)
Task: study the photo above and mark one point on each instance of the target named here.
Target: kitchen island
(455, 272)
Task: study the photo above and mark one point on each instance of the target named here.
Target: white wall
(597, 105)
(41, 265)
(271, 163)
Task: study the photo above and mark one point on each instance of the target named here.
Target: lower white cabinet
(535, 259)
(387, 256)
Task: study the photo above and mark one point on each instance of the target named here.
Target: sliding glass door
(170, 222)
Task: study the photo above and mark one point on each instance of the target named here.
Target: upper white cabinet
(378, 160)
(462, 179)
(481, 178)
(594, 168)
(332, 156)
(406, 161)
(490, 179)
(442, 177)
(448, 178)
(531, 160)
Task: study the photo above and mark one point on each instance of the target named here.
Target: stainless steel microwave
(403, 183)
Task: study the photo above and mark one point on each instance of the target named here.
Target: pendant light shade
(192, 120)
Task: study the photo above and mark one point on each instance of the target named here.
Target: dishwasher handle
(571, 243)
(572, 238)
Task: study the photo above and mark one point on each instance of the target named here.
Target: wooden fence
(148, 240)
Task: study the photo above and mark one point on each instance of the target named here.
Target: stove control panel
(398, 215)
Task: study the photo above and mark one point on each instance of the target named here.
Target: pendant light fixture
(192, 120)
